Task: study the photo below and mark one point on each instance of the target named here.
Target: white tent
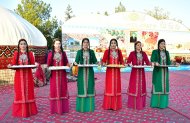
(100, 29)
(13, 27)
(93, 23)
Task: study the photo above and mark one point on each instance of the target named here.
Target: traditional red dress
(59, 99)
(112, 94)
(137, 83)
(39, 77)
(24, 101)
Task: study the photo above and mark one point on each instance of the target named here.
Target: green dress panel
(85, 104)
(160, 80)
(85, 82)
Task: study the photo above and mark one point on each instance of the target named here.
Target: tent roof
(122, 20)
(88, 20)
(13, 27)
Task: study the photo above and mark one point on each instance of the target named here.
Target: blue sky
(178, 9)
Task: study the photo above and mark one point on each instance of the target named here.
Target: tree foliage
(160, 13)
(58, 33)
(106, 13)
(68, 13)
(178, 20)
(37, 13)
(120, 8)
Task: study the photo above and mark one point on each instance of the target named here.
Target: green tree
(106, 13)
(48, 29)
(68, 13)
(158, 13)
(37, 13)
(58, 33)
(120, 8)
(178, 20)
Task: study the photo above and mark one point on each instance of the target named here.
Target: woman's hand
(130, 65)
(99, 63)
(9, 65)
(69, 65)
(103, 64)
(36, 63)
(177, 64)
(152, 64)
(155, 64)
(75, 64)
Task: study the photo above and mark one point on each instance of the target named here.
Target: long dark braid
(109, 53)
(26, 51)
(90, 56)
(159, 59)
(136, 51)
(52, 55)
(113, 39)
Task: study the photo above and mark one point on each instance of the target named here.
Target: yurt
(12, 28)
(127, 28)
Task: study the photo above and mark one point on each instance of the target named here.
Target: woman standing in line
(85, 101)
(24, 104)
(59, 97)
(137, 84)
(112, 94)
(160, 77)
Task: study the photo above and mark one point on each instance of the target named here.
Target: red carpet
(178, 111)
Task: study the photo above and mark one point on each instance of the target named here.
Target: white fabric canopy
(90, 20)
(136, 21)
(13, 27)
(175, 37)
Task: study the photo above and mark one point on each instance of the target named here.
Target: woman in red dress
(59, 98)
(112, 94)
(137, 84)
(39, 77)
(24, 101)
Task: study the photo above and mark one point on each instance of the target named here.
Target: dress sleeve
(121, 57)
(65, 58)
(168, 59)
(105, 57)
(153, 56)
(77, 59)
(32, 58)
(49, 59)
(129, 59)
(147, 61)
(94, 59)
(14, 60)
